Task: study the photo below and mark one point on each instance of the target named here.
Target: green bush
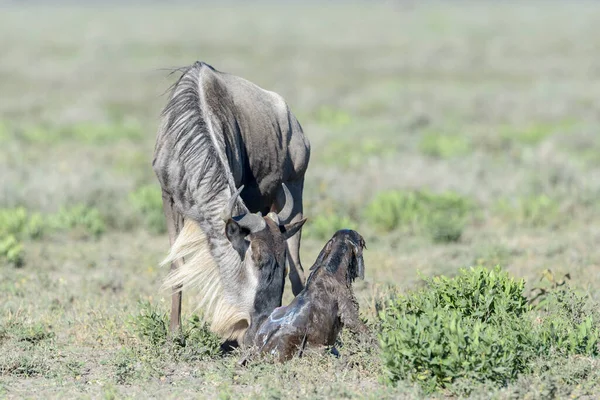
(21, 223)
(151, 324)
(199, 340)
(333, 117)
(477, 327)
(529, 135)
(32, 225)
(195, 341)
(355, 152)
(323, 226)
(84, 132)
(532, 211)
(87, 220)
(147, 201)
(11, 250)
(18, 224)
(567, 324)
(444, 146)
(471, 326)
(442, 216)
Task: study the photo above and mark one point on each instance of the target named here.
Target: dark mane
(195, 148)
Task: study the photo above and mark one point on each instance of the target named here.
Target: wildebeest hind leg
(174, 224)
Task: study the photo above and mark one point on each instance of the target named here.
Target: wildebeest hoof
(242, 362)
(335, 352)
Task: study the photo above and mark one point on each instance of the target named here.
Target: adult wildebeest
(220, 135)
(325, 305)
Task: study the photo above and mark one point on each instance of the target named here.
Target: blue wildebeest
(228, 152)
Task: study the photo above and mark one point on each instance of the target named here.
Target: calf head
(260, 241)
(342, 256)
(356, 268)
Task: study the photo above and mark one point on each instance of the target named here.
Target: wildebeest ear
(236, 235)
(290, 229)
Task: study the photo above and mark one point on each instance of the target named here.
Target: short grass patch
(534, 133)
(444, 146)
(97, 133)
(332, 117)
(356, 153)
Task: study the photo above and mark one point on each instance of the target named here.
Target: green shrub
(21, 223)
(566, 323)
(199, 340)
(18, 224)
(11, 250)
(87, 220)
(323, 226)
(471, 326)
(444, 146)
(478, 327)
(442, 216)
(532, 211)
(445, 227)
(147, 201)
(355, 152)
(24, 224)
(99, 133)
(83, 132)
(151, 324)
(195, 341)
(333, 117)
(529, 135)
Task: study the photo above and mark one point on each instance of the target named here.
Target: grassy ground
(494, 103)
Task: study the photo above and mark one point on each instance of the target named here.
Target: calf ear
(290, 230)
(236, 235)
(358, 259)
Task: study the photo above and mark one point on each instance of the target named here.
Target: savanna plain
(449, 134)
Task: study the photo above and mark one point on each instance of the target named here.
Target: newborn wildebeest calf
(325, 305)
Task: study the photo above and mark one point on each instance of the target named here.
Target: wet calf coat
(325, 305)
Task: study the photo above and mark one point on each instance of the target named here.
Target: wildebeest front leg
(174, 224)
(297, 278)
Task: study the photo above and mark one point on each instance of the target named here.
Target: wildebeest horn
(288, 206)
(252, 222)
(228, 211)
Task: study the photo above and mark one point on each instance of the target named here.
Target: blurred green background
(448, 133)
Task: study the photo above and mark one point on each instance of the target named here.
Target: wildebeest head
(345, 248)
(260, 242)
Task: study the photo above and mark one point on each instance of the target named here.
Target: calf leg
(348, 308)
(174, 224)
